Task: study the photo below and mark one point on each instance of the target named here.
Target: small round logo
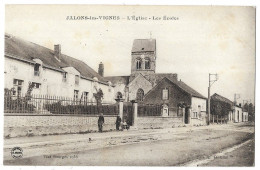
(17, 152)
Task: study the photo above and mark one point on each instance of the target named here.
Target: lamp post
(211, 81)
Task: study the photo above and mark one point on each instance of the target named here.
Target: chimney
(57, 51)
(101, 69)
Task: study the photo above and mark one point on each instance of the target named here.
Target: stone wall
(158, 122)
(17, 125)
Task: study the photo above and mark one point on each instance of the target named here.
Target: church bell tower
(143, 56)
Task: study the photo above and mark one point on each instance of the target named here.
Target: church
(145, 86)
(143, 76)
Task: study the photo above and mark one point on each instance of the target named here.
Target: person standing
(101, 121)
(118, 122)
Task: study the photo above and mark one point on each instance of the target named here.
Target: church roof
(144, 45)
(27, 51)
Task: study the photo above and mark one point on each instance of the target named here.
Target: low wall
(198, 122)
(17, 125)
(158, 122)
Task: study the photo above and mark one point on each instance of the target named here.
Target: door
(186, 120)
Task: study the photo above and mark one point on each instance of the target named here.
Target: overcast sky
(203, 40)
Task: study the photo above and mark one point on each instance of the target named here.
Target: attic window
(142, 48)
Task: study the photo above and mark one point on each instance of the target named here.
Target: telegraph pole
(210, 84)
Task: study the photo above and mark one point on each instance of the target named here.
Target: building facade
(178, 100)
(51, 72)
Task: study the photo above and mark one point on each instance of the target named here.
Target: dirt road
(170, 147)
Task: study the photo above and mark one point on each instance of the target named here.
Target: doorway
(186, 118)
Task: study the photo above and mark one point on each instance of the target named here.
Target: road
(219, 145)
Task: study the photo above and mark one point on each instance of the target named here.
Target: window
(85, 97)
(37, 70)
(77, 79)
(76, 95)
(17, 87)
(64, 77)
(165, 94)
(36, 85)
(119, 95)
(140, 95)
(138, 64)
(147, 63)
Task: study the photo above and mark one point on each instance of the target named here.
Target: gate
(128, 113)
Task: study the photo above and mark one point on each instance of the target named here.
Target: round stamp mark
(17, 152)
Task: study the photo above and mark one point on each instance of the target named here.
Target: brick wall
(24, 125)
(158, 122)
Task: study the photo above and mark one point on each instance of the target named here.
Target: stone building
(178, 99)
(143, 76)
(51, 72)
(144, 85)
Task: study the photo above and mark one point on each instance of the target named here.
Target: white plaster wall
(51, 81)
(237, 112)
(196, 102)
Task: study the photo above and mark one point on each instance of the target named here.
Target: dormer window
(138, 64)
(77, 79)
(37, 70)
(147, 63)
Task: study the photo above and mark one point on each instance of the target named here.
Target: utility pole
(210, 84)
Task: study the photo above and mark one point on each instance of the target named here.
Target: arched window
(140, 95)
(138, 64)
(119, 95)
(147, 63)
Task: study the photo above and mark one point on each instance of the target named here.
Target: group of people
(118, 123)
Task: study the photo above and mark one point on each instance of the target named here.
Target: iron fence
(45, 104)
(149, 110)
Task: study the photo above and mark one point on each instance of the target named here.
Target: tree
(245, 107)
(251, 111)
(99, 96)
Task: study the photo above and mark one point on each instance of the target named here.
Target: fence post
(121, 107)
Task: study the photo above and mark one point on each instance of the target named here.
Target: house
(178, 99)
(146, 86)
(237, 113)
(245, 116)
(221, 107)
(51, 72)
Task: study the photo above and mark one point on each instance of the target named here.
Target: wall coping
(69, 115)
(159, 117)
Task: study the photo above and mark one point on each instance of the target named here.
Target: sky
(203, 40)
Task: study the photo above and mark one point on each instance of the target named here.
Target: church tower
(143, 57)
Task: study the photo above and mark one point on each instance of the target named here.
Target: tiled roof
(189, 90)
(141, 45)
(26, 50)
(221, 98)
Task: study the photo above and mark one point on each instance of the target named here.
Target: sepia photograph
(129, 85)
